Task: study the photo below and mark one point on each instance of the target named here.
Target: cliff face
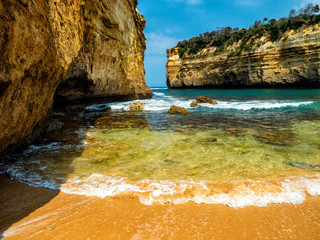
(95, 48)
(110, 63)
(292, 61)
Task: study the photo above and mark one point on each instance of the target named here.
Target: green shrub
(182, 51)
(284, 26)
(194, 50)
(274, 34)
(249, 47)
(227, 36)
(232, 54)
(296, 24)
(239, 53)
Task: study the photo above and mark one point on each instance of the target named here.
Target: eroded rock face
(96, 47)
(292, 61)
(113, 38)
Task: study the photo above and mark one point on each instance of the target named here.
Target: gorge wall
(293, 60)
(85, 49)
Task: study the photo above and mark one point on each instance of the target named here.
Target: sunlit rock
(178, 110)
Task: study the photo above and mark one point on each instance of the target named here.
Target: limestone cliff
(293, 60)
(95, 48)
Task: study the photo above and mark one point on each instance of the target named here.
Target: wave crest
(237, 194)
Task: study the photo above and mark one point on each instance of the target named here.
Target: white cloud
(158, 43)
(304, 3)
(248, 3)
(189, 2)
(156, 56)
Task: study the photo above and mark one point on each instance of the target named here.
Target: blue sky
(170, 21)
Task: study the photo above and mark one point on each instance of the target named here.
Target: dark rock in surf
(178, 110)
(137, 107)
(54, 125)
(203, 99)
(193, 104)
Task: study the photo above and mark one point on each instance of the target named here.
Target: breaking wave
(163, 103)
(148, 192)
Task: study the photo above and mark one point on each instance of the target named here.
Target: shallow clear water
(255, 147)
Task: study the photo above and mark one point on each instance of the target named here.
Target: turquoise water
(255, 147)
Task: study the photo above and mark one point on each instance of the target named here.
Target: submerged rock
(209, 140)
(193, 104)
(178, 110)
(234, 131)
(170, 162)
(203, 99)
(182, 130)
(137, 107)
(304, 166)
(121, 121)
(54, 125)
(275, 138)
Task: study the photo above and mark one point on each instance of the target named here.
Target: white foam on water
(31, 178)
(249, 105)
(98, 107)
(163, 102)
(49, 146)
(248, 197)
(233, 194)
(252, 193)
(158, 94)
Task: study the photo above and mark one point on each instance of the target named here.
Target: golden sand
(36, 213)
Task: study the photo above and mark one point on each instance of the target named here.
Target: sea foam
(234, 194)
(163, 102)
(241, 194)
(292, 190)
(148, 192)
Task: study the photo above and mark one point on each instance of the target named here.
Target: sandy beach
(183, 119)
(37, 213)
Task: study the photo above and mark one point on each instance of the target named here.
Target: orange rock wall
(95, 48)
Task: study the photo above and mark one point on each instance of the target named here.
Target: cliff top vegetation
(274, 29)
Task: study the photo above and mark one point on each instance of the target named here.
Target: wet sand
(36, 213)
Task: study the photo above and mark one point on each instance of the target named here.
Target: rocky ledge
(292, 61)
(86, 49)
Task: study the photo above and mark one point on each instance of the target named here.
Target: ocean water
(255, 147)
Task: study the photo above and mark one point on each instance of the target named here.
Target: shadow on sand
(70, 124)
(18, 200)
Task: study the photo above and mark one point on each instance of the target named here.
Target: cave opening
(73, 90)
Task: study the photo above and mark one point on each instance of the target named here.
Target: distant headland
(271, 53)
